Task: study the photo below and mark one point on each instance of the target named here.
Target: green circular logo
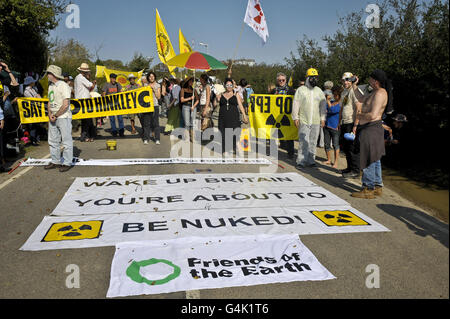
(51, 96)
(134, 268)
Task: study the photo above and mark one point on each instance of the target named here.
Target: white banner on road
(143, 194)
(108, 230)
(156, 267)
(152, 161)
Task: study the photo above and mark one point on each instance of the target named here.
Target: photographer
(348, 124)
(11, 81)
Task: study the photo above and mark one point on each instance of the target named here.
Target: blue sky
(125, 27)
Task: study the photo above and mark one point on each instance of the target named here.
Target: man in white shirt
(83, 87)
(60, 124)
(308, 113)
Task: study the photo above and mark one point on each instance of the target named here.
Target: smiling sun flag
(163, 44)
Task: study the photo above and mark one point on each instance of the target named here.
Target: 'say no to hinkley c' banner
(33, 110)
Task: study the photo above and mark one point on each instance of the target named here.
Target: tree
(69, 55)
(139, 62)
(24, 28)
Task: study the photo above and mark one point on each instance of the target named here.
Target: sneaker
(145, 142)
(351, 175)
(51, 166)
(378, 191)
(114, 133)
(121, 132)
(157, 142)
(365, 193)
(300, 167)
(64, 168)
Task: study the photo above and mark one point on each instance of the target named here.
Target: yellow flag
(99, 71)
(184, 45)
(163, 44)
(122, 76)
(291, 80)
(44, 83)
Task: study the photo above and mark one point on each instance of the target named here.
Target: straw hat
(84, 67)
(55, 70)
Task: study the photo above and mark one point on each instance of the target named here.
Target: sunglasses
(281, 80)
(229, 85)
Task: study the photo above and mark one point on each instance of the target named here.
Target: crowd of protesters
(343, 117)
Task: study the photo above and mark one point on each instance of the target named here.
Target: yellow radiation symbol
(74, 231)
(339, 218)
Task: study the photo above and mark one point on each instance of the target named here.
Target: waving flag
(163, 44)
(255, 18)
(184, 45)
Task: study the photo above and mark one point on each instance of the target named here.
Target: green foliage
(412, 46)
(24, 27)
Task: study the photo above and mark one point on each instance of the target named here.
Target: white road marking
(23, 172)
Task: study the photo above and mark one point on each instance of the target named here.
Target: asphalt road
(413, 258)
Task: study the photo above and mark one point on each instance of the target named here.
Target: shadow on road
(421, 223)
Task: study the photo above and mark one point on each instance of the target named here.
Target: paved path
(413, 259)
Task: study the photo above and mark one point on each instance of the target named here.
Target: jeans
(60, 134)
(329, 136)
(307, 142)
(112, 120)
(372, 175)
(189, 116)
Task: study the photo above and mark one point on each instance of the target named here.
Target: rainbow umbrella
(196, 61)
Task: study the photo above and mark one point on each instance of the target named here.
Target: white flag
(255, 18)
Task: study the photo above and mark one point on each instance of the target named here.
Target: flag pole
(235, 51)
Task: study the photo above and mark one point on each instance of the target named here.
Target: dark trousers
(154, 122)
(349, 148)
(88, 129)
(145, 119)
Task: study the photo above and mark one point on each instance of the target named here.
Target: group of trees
(411, 44)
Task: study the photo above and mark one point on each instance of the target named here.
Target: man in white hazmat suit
(308, 113)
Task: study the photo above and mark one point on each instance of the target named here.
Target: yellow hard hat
(312, 72)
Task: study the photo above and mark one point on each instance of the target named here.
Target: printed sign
(270, 117)
(32, 110)
(199, 263)
(116, 228)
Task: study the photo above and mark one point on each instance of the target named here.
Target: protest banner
(122, 76)
(188, 193)
(152, 161)
(32, 110)
(61, 232)
(270, 117)
(200, 263)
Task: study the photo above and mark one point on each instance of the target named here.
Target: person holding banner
(60, 125)
(229, 118)
(154, 116)
(132, 86)
(284, 89)
(114, 87)
(82, 89)
(308, 113)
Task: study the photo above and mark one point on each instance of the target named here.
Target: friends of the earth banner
(34, 110)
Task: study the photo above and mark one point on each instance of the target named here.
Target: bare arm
(241, 108)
